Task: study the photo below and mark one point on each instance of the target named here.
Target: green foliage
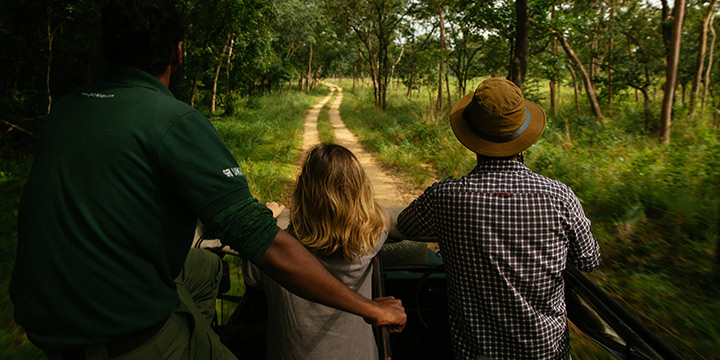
(406, 136)
(13, 341)
(265, 137)
(654, 208)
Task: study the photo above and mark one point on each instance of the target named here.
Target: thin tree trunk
(362, 76)
(589, 88)
(50, 37)
(671, 72)
(229, 105)
(213, 96)
(194, 89)
(392, 69)
(518, 64)
(354, 76)
(575, 87)
(711, 55)
(611, 41)
(553, 77)
(666, 26)
(309, 71)
(646, 106)
(447, 87)
(695, 90)
(411, 81)
(443, 56)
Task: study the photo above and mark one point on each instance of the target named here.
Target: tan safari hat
(496, 120)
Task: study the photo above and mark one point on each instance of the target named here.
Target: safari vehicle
(414, 273)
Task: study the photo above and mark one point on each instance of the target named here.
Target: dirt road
(390, 191)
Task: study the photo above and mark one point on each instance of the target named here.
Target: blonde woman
(333, 213)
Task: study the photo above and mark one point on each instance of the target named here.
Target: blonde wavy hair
(333, 209)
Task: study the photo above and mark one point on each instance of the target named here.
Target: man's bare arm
(293, 267)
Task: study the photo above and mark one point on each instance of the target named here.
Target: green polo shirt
(122, 173)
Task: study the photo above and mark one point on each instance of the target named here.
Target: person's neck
(481, 158)
(165, 77)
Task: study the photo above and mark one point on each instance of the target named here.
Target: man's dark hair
(141, 33)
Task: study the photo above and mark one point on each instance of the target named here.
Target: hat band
(498, 139)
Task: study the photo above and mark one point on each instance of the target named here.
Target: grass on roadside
(654, 208)
(324, 126)
(265, 139)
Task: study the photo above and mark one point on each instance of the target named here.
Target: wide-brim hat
(496, 120)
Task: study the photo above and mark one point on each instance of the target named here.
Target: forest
(631, 89)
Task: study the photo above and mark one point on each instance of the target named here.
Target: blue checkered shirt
(505, 236)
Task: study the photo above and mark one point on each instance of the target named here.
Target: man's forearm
(293, 267)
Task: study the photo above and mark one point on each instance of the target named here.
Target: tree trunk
(309, 71)
(392, 69)
(589, 88)
(671, 72)
(213, 96)
(700, 64)
(575, 87)
(229, 104)
(646, 106)
(442, 63)
(711, 55)
(411, 81)
(553, 77)
(611, 41)
(193, 90)
(362, 76)
(666, 26)
(518, 64)
(50, 36)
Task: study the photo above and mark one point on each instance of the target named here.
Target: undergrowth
(654, 208)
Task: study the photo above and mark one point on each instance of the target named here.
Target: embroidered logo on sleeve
(230, 172)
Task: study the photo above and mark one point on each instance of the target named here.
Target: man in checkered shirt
(505, 233)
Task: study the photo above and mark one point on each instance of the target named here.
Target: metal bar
(382, 334)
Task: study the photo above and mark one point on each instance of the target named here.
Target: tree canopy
(237, 49)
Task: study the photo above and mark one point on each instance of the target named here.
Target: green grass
(324, 126)
(406, 136)
(654, 208)
(265, 138)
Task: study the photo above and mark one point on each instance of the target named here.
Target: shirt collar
(133, 76)
(499, 166)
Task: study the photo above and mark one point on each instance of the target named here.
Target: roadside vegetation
(654, 208)
(631, 127)
(324, 126)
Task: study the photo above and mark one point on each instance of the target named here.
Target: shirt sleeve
(199, 166)
(246, 226)
(206, 176)
(584, 251)
(416, 220)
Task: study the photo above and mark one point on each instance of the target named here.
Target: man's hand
(276, 208)
(390, 313)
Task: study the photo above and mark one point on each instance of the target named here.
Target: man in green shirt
(122, 173)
